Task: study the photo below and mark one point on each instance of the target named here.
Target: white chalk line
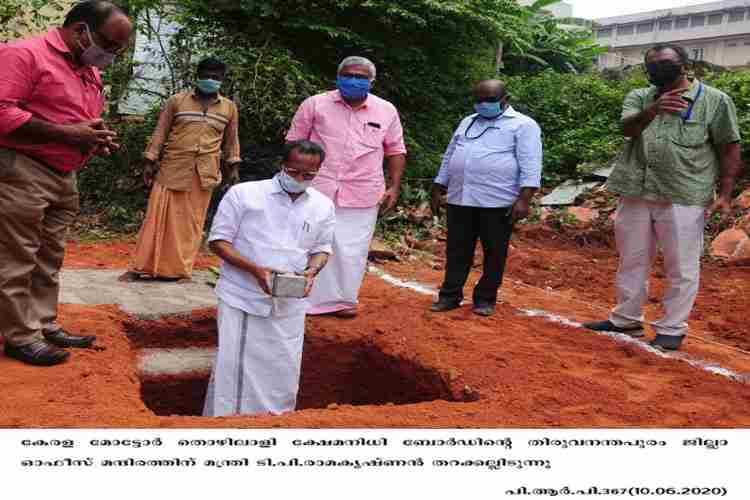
(554, 318)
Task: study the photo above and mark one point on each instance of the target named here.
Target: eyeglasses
(308, 176)
(491, 99)
(356, 76)
(105, 43)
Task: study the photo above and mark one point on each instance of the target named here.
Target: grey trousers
(640, 226)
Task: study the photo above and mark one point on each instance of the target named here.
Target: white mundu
(260, 337)
(337, 286)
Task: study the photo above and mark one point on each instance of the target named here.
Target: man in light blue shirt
(491, 170)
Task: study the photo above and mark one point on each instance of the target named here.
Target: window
(736, 16)
(697, 21)
(697, 54)
(732, 44)
(645, 28)
(682, 23)
(625, 30)
(715, 19)
(747, 42)
(605, 33)
(665, 25)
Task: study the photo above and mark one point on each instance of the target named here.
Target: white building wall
(717, 32)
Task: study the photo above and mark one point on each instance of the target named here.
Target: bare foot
(128, 277)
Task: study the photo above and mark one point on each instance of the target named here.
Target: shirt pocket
(690, 134)
(690, 147)
(497, 141)
(308, 232)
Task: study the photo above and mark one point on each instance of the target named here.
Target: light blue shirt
(488, 166)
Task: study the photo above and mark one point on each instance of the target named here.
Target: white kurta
(260, 338)
(257, 364)
(640, 226)
(337, 286)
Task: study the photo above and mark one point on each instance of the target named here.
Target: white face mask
(292, 185)
(95, 55)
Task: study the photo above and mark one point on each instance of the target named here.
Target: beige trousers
(37, 205)
(641, 226)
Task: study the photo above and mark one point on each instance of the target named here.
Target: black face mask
(663, 73)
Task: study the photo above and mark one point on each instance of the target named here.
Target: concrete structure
(559, 9)
(716, 32)
(141, 299)
(563, 12)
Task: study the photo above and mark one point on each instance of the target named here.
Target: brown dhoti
(172, 231)
(37, 205)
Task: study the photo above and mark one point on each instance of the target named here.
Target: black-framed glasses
(490, 99)
(105, 43)
(293, 172)
(356, 76)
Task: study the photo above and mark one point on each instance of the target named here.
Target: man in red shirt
(51, 100)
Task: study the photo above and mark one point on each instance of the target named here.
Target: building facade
(716, 32)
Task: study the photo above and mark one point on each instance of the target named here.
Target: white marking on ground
(554, 318)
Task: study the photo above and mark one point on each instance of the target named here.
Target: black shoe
(443, 305)
(38, 353)
(61, 338)
(608, 326)
(484, 309)
(667, 342)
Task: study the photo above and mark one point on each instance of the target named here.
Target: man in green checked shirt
(683, 136)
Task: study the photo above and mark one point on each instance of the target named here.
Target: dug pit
(176, 355)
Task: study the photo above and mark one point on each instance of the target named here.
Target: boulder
(583, 215)
(728, 242)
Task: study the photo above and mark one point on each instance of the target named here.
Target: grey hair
(358, 61)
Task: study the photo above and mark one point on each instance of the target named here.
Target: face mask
(95, 55)
(489, 109)
(208, 86)
(353, 88)
(292, 185)
(663, 73)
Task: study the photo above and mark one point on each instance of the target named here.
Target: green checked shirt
(675, 159)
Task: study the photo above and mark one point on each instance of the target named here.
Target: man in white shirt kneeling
(261, 229)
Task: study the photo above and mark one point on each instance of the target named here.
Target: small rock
(333, 406)
(429, 246)
(743, 223)
(584, 215)
(378, 250)
(741, 256)
(743, 200)
(728, 242)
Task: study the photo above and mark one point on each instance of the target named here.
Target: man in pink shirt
(51, 99)
(357, 130)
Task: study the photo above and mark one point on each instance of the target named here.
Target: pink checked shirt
(355, 142)
(39, 79)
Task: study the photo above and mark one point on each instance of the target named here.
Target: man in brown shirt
(183, 163)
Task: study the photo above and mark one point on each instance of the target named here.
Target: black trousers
(493, 227)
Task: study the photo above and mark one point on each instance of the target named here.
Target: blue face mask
(208, 86)
(489, 109)
(353, 88)
(292, 185)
